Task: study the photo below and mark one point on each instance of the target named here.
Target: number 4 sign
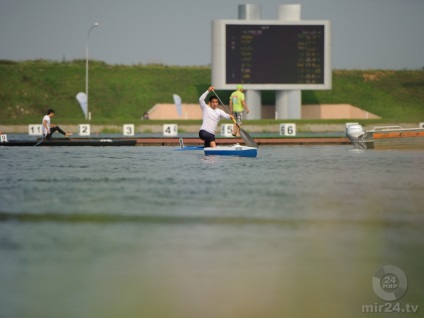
(170, 130)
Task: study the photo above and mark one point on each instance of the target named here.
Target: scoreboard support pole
(253, 97)
(254, 102)
(288, 103)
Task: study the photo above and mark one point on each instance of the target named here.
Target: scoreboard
(264, 54)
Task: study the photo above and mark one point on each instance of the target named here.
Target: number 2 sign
(84, 130)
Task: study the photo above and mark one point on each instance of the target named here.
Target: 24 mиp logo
(389, 284)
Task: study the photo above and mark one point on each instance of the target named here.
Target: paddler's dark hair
(212, 97)
(50, 111)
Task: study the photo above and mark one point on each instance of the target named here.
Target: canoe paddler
(211, 116)
(49, 129)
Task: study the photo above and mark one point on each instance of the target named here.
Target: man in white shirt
(49, 129)
(211, 116)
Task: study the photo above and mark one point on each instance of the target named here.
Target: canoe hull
(190, 148)
(236, 150)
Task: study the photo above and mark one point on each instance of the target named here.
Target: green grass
(388, 94)
(121, 93)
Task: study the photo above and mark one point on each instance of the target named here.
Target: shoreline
(194, 128)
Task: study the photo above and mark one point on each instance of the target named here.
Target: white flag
(82, 99)
(177, 101)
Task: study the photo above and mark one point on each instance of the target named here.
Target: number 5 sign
(226, 130)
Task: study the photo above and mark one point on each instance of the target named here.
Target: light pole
(86, 66)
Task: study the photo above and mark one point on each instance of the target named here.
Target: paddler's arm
(45, 126)
(202, 98)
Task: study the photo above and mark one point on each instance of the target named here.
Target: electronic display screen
(271, 55)
(277, 54)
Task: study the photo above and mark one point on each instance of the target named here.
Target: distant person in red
(49, 129)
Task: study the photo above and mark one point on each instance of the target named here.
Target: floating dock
(193, 141)
(174, 141)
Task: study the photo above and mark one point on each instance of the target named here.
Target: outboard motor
(355, 132)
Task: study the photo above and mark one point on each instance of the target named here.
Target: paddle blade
(247, 139)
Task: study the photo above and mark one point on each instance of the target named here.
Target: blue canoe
(185, 148)
(235, 150)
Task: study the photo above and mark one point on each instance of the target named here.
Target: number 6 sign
(288, 130)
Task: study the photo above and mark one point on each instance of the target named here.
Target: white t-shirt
(47, 119)
(211, 116)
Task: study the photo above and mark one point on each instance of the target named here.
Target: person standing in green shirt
(237, 106)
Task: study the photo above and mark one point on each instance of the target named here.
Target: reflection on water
(148, 232)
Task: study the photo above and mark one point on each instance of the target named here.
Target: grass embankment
(121, 94)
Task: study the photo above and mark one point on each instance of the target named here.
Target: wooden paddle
(38, 143)
(244, 135)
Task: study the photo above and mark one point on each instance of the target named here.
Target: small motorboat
(385, 137)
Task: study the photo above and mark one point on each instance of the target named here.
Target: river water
(299, 231)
